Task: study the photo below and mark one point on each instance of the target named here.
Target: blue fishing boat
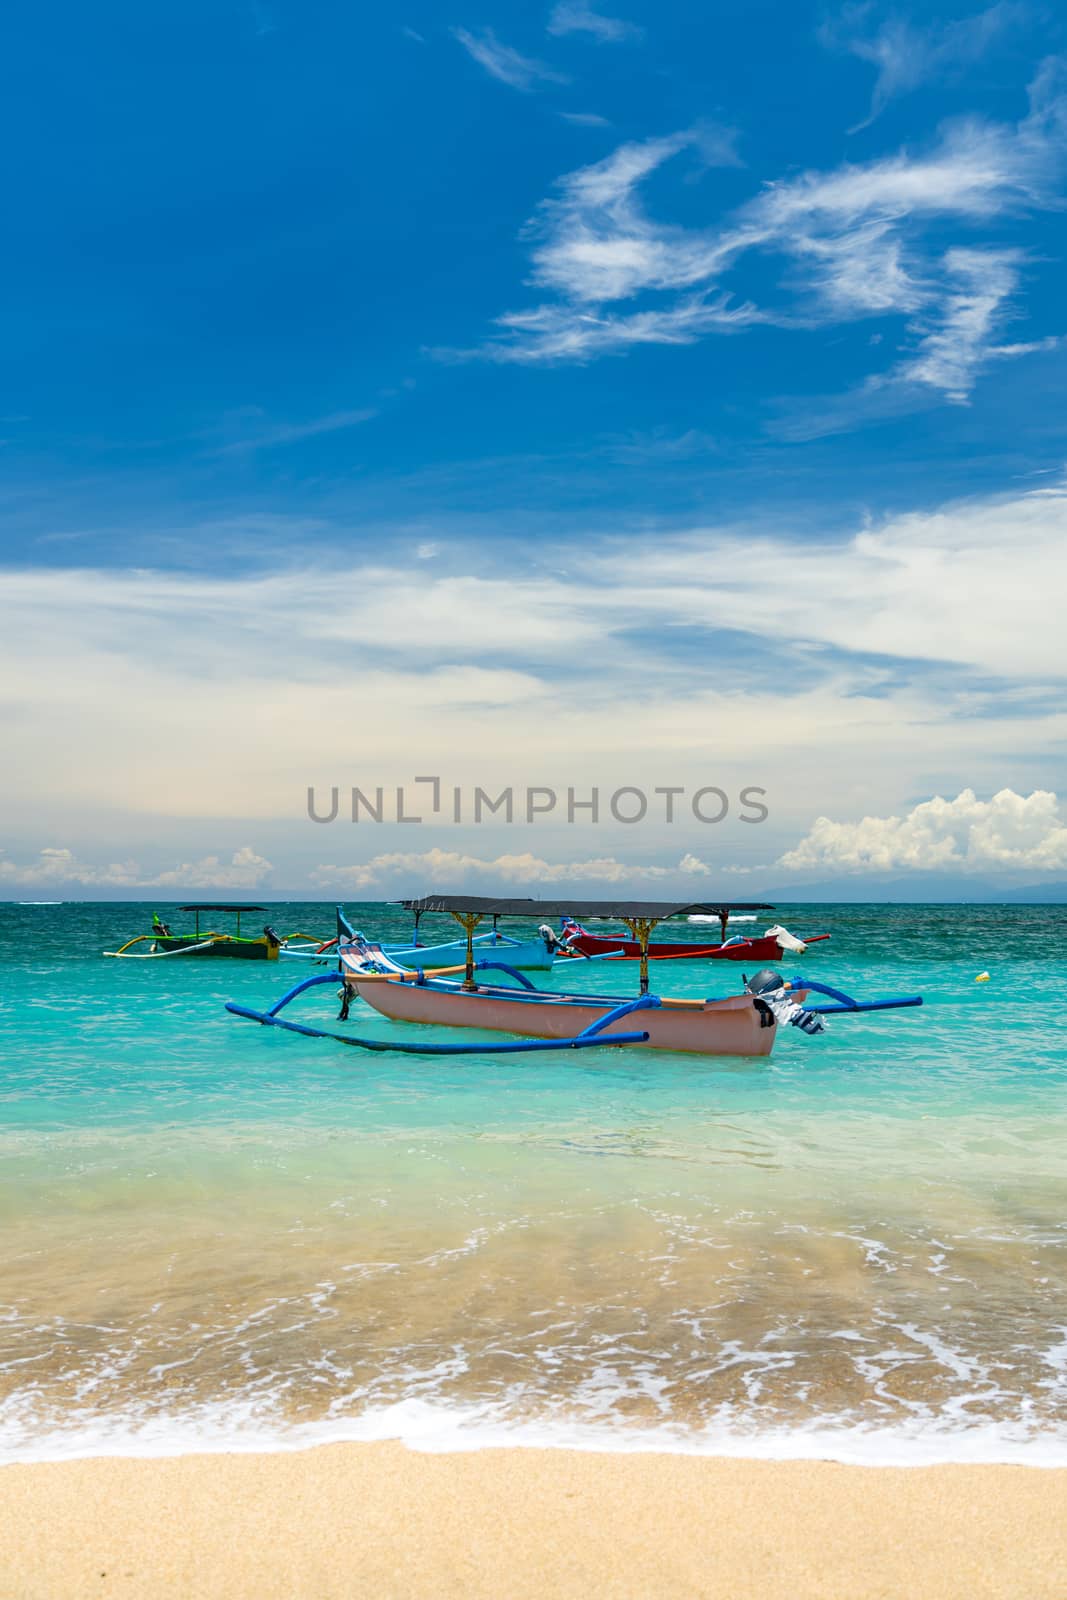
(526, 954)
(536, 953)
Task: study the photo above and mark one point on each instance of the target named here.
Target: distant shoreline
(1012, 900)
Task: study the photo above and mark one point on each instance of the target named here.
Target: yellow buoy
(983, 977)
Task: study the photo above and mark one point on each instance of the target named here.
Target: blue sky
(624, 394)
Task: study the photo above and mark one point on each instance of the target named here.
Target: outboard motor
(772, 1001)
(552, 942)
(764, 981)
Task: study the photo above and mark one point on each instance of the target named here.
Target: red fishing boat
(767, 946)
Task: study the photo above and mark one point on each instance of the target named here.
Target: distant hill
(1039, 894)
(916, 889)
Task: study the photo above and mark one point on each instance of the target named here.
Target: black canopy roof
(612, 910)
(221, 908)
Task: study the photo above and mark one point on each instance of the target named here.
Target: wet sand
(380, 1520)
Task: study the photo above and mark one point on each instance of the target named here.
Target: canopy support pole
(468, 920)
(641, 928)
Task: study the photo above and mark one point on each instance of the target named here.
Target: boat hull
(232, 949)
(730, 1027)
(763, 948)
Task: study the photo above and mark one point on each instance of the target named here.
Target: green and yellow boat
(208, 941)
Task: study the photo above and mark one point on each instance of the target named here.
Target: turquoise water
(216, 1234)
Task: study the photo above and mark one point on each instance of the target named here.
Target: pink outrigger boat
(744, 1024)
(733, 1026)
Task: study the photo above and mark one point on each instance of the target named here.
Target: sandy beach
(342, 1520)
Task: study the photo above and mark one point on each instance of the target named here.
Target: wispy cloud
(917, 650)
(658, 445)
(253, 430)
(957, 341)
(597, 246)
(504, 63)
(980, 285)
(585, 119)
(556, 333)
(852, 241)
(906, 55)
(962, 583)
(574, 16)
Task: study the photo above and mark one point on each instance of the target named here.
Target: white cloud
(575, 16)
(850, 240)
(978, 583)
(453, 867)
(504, 63)
(58, 865)
(928, 645)
(951, 354)
(553, 333)
(599, 245)
(244, 870)
(585, 119)
(1009, 832)
(55, 865)
(906, 55)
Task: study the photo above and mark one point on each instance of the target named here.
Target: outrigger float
(744, 1024)
(210, 942)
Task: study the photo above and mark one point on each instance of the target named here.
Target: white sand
(379, 1520)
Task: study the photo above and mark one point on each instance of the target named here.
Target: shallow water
(211, 1232)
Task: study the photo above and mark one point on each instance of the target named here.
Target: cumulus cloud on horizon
(1006, 834)
(1009, 832)
(454, 868)
(57, 865)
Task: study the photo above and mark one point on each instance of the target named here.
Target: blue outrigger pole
(846, 1004)
(588, 1039)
